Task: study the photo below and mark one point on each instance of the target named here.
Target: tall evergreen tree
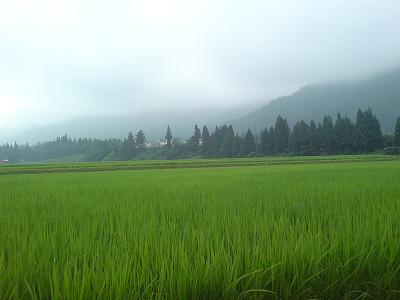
(397, 133)
(368, 135)
(327, 136)
(216, 141)
(197, 134)
(358, 133)
(27, 153)
(15, 154)
(249, 144)
(140, 139)
(343, 135)
(168, 137)
(299, 139)
(374, 132)
(265, 142)
(228, 146)
(129, 147)
(314, 140)
(238, 145)
(347, 136)
(271, 140)
(206, 141)
(194, 141)
(281, 135)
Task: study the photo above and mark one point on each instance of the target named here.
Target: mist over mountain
(381, 93)
(153, 123)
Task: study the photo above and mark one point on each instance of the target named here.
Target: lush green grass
(326, 231)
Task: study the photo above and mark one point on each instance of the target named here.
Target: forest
(339, 136)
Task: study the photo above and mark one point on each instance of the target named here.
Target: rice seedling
(323, 231)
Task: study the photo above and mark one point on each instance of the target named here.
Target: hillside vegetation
(381, 93)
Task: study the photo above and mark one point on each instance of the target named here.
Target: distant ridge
(381, 93)
(154, 124)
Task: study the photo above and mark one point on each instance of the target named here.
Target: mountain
(153, 123)
(312, 102)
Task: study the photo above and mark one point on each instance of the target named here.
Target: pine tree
(195, 138)
(27, 153)
(358, 134)
(238, 145)
(299, 139)
(271, 140)
(343, 135)
(265, 142)
(168, 137)
(15, 154)
(314, 140)
(216, 142)
(129, 147)
(347, 136)
(140, 139)
(397, 133)
(327, 136)
(281, 135)
(206, 141)
(368, 135)
(228, 146)
(197, 134)
(194, 141)
(374, 132)
(249, 144)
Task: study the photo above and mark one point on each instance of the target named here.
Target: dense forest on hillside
(341, 136)
(381, 93)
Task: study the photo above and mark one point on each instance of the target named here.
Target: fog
(66, 59)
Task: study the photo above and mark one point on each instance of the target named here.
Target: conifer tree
(197, 134)
(397, 133)
(206, 141)
(327, 135)
(264, 144)
(194, 141)
(281, 135)
(314, 141)
(271, 140)
(216, 142)
(343, 135)
(368, 134)
(129, 147)
(168, 137)
(228, 146)
(358, 134)
(299, 139)
(238, 145)
(249, 144)
(140, 139)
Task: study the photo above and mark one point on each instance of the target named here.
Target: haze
(63, 59)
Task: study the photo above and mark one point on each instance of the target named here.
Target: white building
(162, 143)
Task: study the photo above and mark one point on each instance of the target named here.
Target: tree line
(339, 136)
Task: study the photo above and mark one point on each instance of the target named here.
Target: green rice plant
(302, 231)
(40, 168)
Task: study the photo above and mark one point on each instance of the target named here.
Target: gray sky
(65, 58)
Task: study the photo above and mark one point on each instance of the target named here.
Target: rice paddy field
(321, 228)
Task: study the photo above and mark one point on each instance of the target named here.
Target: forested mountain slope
(381, 93)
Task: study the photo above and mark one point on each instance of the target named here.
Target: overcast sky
(64, 58)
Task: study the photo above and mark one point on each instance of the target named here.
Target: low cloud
(87, 57)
